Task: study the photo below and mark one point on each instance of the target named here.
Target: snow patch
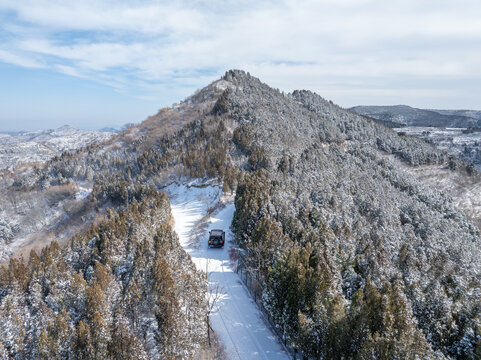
(82, 193)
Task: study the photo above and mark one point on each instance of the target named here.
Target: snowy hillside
(458, 132)
(42, 145)
(352, 249)
(461, 142)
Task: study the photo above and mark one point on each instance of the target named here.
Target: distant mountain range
(39, 146)
(409, 116)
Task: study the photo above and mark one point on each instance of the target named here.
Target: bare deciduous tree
(214, 293)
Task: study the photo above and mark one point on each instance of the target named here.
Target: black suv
(216, 238)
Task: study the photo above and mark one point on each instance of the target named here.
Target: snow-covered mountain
(356, 242)
(410, 116)
(42, 145)
(475, 114)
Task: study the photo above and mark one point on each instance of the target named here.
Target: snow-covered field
(236, 320)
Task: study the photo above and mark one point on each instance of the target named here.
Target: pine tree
(284, 292)
(99, 336)
(3, 352)
(62, 333)
(124, 344)
(46, 347)
(97, 312)
(84, 347)
(166, 307)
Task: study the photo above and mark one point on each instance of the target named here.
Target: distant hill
(110, 130)
(42, 145)
(420, 117)
(475, 114)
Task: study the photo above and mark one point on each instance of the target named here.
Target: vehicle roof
(216, 232)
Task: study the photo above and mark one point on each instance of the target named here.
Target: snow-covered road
(237, 320)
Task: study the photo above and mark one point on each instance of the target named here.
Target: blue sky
(102, 63)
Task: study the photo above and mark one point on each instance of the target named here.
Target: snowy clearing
(237, 320)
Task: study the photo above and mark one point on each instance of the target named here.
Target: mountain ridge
(411, 116)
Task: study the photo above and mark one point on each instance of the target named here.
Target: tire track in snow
(230, 336)
(260, 350)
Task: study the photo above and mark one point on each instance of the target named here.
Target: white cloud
(344, 42)
(69, 70)
(19, 60)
